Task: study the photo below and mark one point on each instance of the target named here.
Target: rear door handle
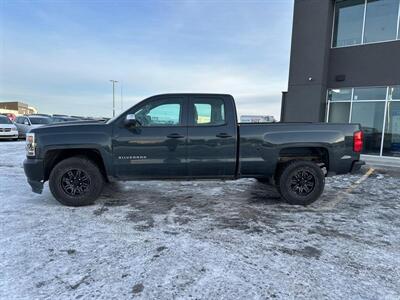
(223, 135)
(175, 136)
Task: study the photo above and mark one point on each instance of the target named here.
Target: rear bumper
(356, 166)
(34, 171)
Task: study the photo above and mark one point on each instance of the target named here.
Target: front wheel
(76, 181)
(301, 182)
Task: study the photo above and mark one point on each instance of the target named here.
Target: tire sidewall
(285, 180)
(92, 171)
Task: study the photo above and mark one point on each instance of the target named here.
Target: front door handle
(223, 135)
(175, 136)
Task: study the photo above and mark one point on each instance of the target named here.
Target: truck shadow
(240, 205)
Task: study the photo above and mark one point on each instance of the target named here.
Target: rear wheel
(301, 182)
(76, 181)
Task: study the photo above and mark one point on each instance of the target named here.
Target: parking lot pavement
(203, 240)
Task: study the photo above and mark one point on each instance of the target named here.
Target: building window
(370, 115)
(374, 93)
(381, 20)
(391, 144)
(339, 94)
(339, 112)
(377, 109)
(359, 22)
(349, 19)
(394, 93)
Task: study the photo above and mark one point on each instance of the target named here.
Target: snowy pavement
(199, 240)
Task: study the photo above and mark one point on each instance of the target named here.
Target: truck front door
(156, 147)
(212, 136)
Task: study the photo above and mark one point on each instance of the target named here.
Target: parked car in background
(100, 119)
(7, 129)
(41, 115)
(11, 116)
(62, 119)
(257, 119)
(26, 123)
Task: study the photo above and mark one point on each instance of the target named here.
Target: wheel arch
(53, 156)
(317, 154)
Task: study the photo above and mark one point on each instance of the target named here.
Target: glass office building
(359, 22)
(345, 67)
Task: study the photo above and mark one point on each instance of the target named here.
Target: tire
(301, 182)
(76, 181)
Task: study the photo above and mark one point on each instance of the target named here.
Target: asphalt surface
(200, 240)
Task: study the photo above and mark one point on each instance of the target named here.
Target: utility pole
(113, 83)
(122, 99)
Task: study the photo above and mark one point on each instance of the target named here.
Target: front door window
(159, 114)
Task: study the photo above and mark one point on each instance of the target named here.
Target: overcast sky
(60, 55)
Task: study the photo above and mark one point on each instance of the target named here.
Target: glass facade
(359, 22)
(370, 115)
(377, 109)
(339, 112)
(391, 144)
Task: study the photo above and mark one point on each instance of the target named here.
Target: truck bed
(264, 145)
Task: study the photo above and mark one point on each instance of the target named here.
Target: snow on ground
(203, 240)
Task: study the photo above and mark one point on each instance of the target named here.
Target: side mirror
(130, 121)
(26, 123)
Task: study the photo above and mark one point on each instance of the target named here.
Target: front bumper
(9, 135)
(34, 171)
(356, 166)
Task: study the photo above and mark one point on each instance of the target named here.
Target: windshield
(5, 120)
(37, 120)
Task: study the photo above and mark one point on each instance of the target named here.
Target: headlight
(30, 144)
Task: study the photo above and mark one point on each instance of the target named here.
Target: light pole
(122, 99)
(113, 83)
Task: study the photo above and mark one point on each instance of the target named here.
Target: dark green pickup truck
(186, 137)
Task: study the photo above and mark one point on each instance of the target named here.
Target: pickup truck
(188, 137)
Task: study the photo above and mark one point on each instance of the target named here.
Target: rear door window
(208, 112)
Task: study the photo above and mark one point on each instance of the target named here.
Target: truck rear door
(212, 137)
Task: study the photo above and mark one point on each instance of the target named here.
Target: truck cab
(177, 136)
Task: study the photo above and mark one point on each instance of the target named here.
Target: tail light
(358, 141)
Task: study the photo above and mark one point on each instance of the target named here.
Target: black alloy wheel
(75, 182)
(302, 182)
